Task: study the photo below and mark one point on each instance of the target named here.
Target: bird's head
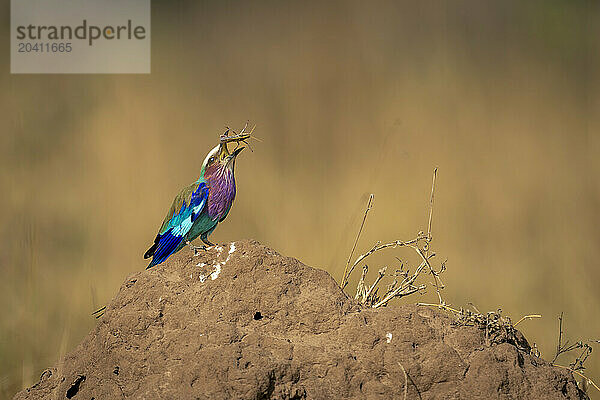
(220, 159)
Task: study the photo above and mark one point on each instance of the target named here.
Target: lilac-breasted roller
(199, 207)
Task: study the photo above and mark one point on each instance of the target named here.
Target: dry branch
(578, 364)
(498, 328)
(367, 295)
(588, 380)
(347, 273)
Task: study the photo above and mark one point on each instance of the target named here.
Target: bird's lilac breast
(221, 193)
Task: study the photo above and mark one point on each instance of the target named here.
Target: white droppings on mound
(202, 277)
(217, 267)
(217, 271)
(231, 249)
(388, 337)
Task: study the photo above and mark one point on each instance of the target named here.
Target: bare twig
(405, 380)
(404, 289)
(347, 273)
(498, 328)
(360, 288)
(578, 364)
(588, 380)
(527, 317)
(431, 205)
(370, 292)
(367, 295)
(565, 347)
(379, 246)
(535, 351)
(440, 306)
(474, 307)
(560, 332)
(99, 313)
(399, 293)
(437, 282)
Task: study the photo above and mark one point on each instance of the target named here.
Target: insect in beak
(242, 137)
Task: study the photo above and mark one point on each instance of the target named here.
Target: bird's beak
(223, 152)
(226, 157)
(237, 151)
(231, 160)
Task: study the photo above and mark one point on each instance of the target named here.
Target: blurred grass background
(350, 98)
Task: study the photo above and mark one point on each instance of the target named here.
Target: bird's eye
(211, 160)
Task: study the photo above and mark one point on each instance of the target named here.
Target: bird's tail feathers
(152, 264)
(150, 252)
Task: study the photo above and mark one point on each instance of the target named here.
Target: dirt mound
(243, 322)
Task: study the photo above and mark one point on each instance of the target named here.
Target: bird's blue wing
(186, 207)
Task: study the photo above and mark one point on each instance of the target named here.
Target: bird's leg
(195, 248)
(206, 241)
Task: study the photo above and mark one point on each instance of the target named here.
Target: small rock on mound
(243, 322)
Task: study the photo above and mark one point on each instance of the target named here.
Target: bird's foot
(207, 242)
(195, 249)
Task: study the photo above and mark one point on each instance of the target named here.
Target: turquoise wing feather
(185, 210)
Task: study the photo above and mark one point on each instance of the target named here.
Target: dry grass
(577, 366)
(350, 99)
(404, 282)
(498, 328)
